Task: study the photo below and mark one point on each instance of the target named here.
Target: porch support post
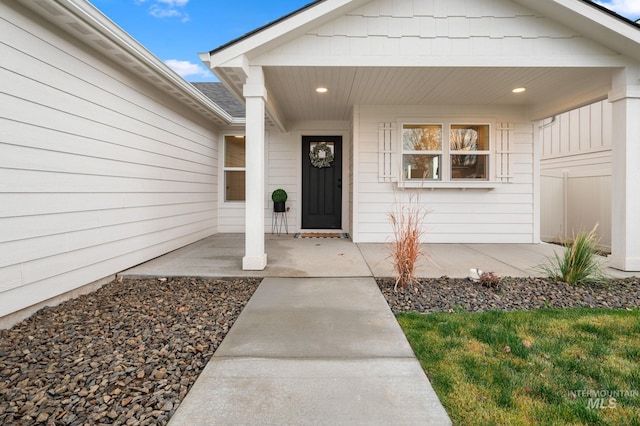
(255, 94)
(625, 213)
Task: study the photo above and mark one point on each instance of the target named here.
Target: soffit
(555, 88)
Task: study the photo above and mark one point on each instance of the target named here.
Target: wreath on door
(321, 155)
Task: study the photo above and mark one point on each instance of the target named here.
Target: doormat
(322, 235)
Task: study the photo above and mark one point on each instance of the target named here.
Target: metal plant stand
(278, 221)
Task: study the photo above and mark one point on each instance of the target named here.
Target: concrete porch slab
(455, 260)
(221, 256)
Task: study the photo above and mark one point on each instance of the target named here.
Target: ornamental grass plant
(579, 263)
(407, 221)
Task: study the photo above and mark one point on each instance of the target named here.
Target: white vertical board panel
(99, 169)
(581, 131)
(552, 208)
(596, 125)
(578, 144)
(588, 204)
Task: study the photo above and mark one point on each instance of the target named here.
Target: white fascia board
(88, 14)
(617, 35)
(283, 31)
(568, 61)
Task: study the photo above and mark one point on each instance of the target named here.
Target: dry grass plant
(490, 280)
(407, 220)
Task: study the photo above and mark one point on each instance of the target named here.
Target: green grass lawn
(534, 367)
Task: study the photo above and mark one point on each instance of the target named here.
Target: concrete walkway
(313, 351)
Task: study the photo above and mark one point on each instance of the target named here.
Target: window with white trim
(234, 168)
(448, 151)
(422, 151)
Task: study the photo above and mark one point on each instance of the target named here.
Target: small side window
(234, 168)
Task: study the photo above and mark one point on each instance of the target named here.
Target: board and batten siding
(501, 215)
(579, 139)
(99, 170)
(576, 166)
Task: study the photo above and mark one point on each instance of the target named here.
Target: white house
(108, 158)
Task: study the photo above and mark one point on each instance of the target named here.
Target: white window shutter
(504, 141)
(387, 153)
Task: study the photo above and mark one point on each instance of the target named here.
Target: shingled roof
(222, 97)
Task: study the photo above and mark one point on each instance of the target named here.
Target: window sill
(462, 185)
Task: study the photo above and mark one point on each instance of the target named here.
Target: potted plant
(279, 196)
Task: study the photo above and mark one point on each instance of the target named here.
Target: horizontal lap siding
(282, 171)
(99, 170)
(503, 215)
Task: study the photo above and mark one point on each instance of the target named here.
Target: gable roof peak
(267, 25)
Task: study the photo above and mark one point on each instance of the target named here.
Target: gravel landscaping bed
(129, 352)
(125, 354)
(448, 294)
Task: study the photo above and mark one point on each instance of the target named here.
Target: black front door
(322, 186)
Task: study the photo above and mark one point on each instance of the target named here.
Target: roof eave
(602, 25)
(628, 21)
(280, 31)
(100, 23)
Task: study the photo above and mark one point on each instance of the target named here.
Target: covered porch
(381, 69)
(221, 256)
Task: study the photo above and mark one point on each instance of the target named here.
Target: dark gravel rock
(125, 354)
(448, 294)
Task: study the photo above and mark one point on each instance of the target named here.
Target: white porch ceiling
(549, 90)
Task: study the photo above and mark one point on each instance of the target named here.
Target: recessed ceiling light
(519, 89)
(322, 90)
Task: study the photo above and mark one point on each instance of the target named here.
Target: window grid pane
(234, 154)
(469, 166)
(421, 166)
(465, 137)
(422, 137)
(234, 182)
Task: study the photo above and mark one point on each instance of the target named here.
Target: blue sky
(177, 30)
